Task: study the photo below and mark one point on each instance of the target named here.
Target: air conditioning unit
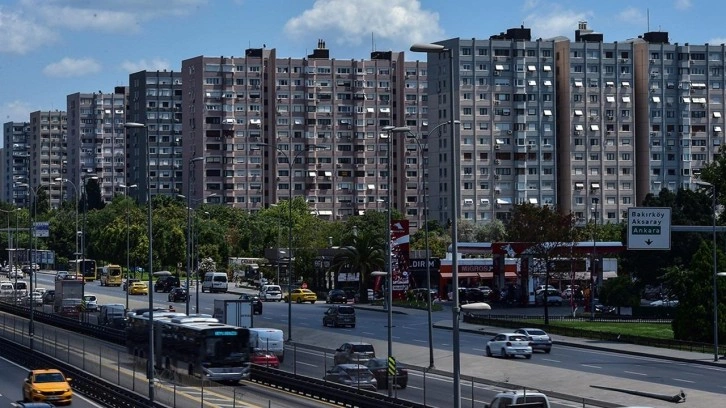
(497, 192)
(496, 102)
(497, 161)
(509, 132)
(577, 133)
(497, 146)
(703, 149)
(497, 73)
(497, 177)
(611, 117)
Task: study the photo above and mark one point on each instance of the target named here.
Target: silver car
(354, 353)
(353, 375)
(509, 345)
(539, 339)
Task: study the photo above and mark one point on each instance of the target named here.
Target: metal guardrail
(327, 391)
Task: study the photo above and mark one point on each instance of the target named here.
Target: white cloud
(15, 111)
(19, 34)
(717, 41)
(156, 64)
(70, 67)
(683, 4)
(530, 4)
(353, 22)
(555, 22)
(632, 15)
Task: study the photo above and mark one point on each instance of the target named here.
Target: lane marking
(551, 360)
(682, 380)
(634, 373)
(590, 365)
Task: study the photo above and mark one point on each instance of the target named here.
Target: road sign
(649, 228)
(41, 229)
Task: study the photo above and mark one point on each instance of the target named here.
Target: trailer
(233, 312)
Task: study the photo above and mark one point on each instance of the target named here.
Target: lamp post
(128, 246)
(32, 205)
(82, 264)
(150, 362)
(10, 245)
(593, 267)
(192, 165)
(291, 163)
(197, 263)
(715, 269)
(424, 188)
(75, 193)
(439, 49)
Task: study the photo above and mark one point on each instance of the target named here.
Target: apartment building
(15, 154)
(96, 140)
(587, 125)
(269, 128)
(155, 99)
(47, 153)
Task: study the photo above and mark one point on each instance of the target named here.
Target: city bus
(198, 346)
(110, 275)
(85, 268)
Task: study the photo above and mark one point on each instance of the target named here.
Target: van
(166, 283)
(530, 398)
(7, 289)
(112, 315)
(270, 340)
(215, 282)
(21, 288)
(271, 293)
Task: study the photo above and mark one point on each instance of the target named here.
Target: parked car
(522, 398)
(379, 368)
(602, 309)
(166, 283)
(339, 315)
(138, 288)
(354, 353)
(353, 375)
(553, 297)
(47, 385)
(255, 300)
(336, 296)
(509, 345)
(539, 339)
(265, 358)
(486, 290)
(91, 303)
(177, 295)
(302, 295)
(471, 295)
(665, 302)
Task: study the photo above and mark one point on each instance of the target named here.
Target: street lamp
(439, 49)
(150, 362)
(593, 266)
(715, 268)
(82, 265)
(10, 246)
(192, 165)
(291, 163)
(424, 188)
(128, 246)
(75, 193)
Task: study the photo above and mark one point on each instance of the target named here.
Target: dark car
(379, 368)
(472, 295)
(49, 297)
(178, 295)
(353, 375)
(166, 283)
(337, 296)
(255, 300)
(339, 315)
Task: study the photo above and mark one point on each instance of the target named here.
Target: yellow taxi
(138, 288)
(303, 295)
(48, 385)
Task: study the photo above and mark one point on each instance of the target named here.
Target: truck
(67, 289)
(233, 312)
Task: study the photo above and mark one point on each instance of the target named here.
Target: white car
(16, 273)
(91, 303)
(509, 345)
(515, 397)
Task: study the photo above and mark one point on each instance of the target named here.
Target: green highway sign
(649, 228)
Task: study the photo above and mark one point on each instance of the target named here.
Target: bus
(85, 268)
(198, 346)
(110, 275)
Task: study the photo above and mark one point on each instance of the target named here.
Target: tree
(491, 231)
(693, 287)
(365, 254)
(548, 234)
(619, 291)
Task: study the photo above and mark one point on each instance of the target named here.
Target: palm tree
(364, 255)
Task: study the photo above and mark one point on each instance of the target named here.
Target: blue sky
(51, 48)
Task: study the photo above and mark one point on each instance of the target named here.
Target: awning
(385, 110)
(579, 186)
(594, 127)
(468, 201)
(579, 127)
(717, 128)
(482, 275)
(499, 141)
(328, 174)
(371, 186)
(499, 67)
(697, 85)
(532, 83)
(625, 83)
(547, 112)
(531, 68)
(371, 110)
(484, 201)
(717, 114)
(610, 99)
(578, 112)
(325, 212)
(578, 83)
(609, 83)
(656, 99)
(532, 201)
(504, 200)
(547, 68)
(312, 173)
(699, 100)
(298, 121)
(547, 83)
(255, 121)
(361, 212)
(686, 99)
(595, 186)
(626, 99)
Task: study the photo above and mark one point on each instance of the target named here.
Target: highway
(410, 347)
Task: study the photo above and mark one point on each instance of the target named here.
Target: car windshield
(346, 310)
(49, 378)
(363, 348)
(377, 363)
(536, 332)
(517, 338)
